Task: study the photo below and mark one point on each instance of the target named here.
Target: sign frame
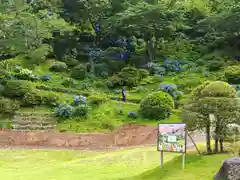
(185, 138)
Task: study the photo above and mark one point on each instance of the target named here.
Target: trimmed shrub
(157, 105)
(79, 72)
(232, 74)
(59, 67)
(215, 89)
(128, 76)
(49, 98)
(17, 88)
(32, 98)
(97, 99)
(8, 106)
(81, 110)
(64, 111)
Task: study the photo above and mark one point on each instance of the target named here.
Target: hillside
(64, 64)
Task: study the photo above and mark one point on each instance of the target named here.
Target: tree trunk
(149, 47)
(208, 139)
(221, 145)
(91, 62)
(216, 145)
(216, 149)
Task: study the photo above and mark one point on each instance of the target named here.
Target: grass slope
(131, 164)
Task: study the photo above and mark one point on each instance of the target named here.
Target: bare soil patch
(128, 135)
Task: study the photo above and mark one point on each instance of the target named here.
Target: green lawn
(138, 163)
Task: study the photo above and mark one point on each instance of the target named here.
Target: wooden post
(161, 160)
(183, 160)
(194, 143)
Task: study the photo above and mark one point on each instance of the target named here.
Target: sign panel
(172, 138)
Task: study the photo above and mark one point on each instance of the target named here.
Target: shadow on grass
(173, 166)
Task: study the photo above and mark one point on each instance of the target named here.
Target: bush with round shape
(17, 88)
(59, 67)
(64, 111)
(8, 106)
(97, 99)
(32, 98)
(157, 105)
(49, 98)
(232, 74)
(81, 110)
(128, 76)
(78, 72)
(215, 89)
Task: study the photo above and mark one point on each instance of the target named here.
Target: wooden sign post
(172, 138)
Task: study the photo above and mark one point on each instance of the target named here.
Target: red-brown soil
(125, 136)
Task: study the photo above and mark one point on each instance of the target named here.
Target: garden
(90, 66)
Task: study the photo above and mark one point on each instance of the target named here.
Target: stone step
(43, 123)
(33, 117)
(33, 114)
(31, 127)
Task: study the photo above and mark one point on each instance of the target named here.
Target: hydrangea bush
(172, 90)
(64, 111)
(80, 100)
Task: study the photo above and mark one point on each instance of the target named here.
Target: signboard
(172, 138)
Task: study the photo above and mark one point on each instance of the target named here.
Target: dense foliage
(76, 56)
(157, 105)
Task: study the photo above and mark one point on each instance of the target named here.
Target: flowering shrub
(64, 111)
(46, 77)
(79, 100)
(172, 65)
(156, 69)
(172, 90)
(132, 115)
(81, 110)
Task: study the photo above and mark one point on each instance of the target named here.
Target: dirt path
(127, 136)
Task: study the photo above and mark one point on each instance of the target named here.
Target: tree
(150, 21)
(217, 98)
(23, 31)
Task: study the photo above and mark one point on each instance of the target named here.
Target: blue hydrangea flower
(79, 100)
(46, 77)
